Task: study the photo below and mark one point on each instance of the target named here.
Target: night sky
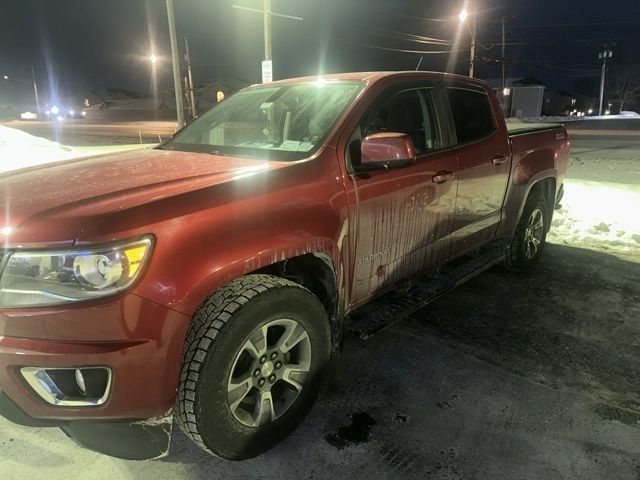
(77, 44)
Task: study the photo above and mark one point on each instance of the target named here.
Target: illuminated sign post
(267, 71)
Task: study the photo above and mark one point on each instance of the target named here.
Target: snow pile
(601, 205)
(599, 215)
(21, 150)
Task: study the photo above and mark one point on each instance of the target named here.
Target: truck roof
(371, 77)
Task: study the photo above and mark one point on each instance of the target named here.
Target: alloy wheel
(269, 372)
(533, 233)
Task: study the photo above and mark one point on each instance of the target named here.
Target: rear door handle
(442, 176)
(499, 159)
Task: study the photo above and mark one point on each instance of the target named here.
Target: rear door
(482, 149)
(401, 217)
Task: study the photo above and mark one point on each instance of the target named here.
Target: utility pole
(603, 55)
(266, 7)
(175, 57)
(267, 64)
(502, 69)
(35, 90)
(474, 32)
(190, 76)
(185, 83)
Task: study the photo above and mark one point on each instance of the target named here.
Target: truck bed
(524, 128)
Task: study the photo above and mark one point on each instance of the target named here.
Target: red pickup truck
(210, 278)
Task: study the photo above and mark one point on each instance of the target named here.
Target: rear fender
(533, 166)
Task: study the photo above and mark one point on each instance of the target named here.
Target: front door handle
(499, 159)
(442, 176)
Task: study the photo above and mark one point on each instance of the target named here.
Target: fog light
(70, 387)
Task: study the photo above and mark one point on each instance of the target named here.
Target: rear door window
(472, 114)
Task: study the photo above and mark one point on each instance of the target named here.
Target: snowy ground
(20, 150)
(600, 210)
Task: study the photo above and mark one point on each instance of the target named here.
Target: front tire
(530, 237)
(254, 360)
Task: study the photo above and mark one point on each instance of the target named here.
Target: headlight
(33, 279)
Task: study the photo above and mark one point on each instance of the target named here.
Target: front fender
(209, 236)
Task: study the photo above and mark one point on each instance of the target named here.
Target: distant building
(564, 103)
(207, 94)
(121, 105)
(521, 97)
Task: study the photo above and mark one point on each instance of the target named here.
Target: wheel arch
(544, 182)
(547, 188)
(316, 270)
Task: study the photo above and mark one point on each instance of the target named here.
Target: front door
(402, 218)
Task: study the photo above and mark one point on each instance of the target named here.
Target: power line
(423, 19)
(585, 24)
(406, 37)
(419, 52)
(564, 74)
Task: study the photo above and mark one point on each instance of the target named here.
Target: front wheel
(254, 360)
(530, 237)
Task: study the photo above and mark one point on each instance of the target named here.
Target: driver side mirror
(385, 150)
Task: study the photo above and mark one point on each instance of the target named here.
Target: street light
(153, 60)
(463, 16)
(33, 81)
(473, 29)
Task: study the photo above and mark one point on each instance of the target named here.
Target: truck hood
(50, 205)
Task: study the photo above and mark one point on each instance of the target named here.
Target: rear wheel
(254, 360)
(530, 237)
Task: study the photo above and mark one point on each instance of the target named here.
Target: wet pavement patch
(445, 405)
(628, 417)
(400, 418)
(356, 433)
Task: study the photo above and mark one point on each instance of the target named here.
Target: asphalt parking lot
(509, 377)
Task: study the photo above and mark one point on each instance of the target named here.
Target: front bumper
(141, 343)
(126, 440)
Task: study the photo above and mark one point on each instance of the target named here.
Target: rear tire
(254, 360)
(530, 236)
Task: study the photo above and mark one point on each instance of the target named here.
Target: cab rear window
(472, 115)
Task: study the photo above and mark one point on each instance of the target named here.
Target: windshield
(276, 122)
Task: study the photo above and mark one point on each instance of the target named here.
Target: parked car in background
(28, 116)
(60, 114)
(211, 278)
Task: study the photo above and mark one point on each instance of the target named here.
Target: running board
(398, 304)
